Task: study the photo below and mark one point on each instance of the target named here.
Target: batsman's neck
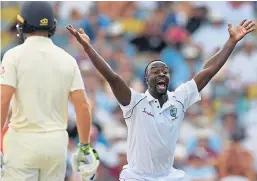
(44, 34)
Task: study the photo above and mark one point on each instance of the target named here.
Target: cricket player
(37, 80)
(153, 118)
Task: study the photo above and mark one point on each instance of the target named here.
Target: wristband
(85, 148)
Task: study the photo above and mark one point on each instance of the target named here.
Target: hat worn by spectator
(176, 34)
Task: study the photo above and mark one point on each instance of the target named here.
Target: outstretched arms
(119, 87)
(215, 63)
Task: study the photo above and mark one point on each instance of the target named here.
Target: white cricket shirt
(153, 131)
(43, 75)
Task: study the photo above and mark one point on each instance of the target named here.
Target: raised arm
(119, 87)
(215, 63)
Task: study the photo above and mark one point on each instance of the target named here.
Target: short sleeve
(188, 94)
(77, 81)
(8, 72)
(135, 99)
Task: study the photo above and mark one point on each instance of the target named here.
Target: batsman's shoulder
(12, 54)
(14, 50)
(67, 57)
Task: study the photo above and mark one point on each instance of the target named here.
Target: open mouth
(161, 84)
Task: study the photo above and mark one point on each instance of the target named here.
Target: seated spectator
(175, 37)
(234, 178)
(150, 40)
(228, 123)
(190, 125)
(211, 36)
(234, 9)
(130, 23)
(183, 34)
(170, 18)
(197, 169)
(243, 66)
(197, 18)
(192, 56)
(208, 142)
(117, 39)
(119, 148)
(236, 160)
(95, 21)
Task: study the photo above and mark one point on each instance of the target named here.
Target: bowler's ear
(146, 80)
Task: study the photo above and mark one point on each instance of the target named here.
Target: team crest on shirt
(173, 112)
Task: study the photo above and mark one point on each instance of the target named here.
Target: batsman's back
(46, 75)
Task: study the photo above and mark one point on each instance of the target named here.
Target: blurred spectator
(236, 160)
(190, 125)
(243, 68)
(204, 139)
(116, 35)
(170, 18)
(211, 36)
(147, 5)
(234, 10)
(119, 148)
(67, 7)
(234, 178)
(117, 124)
(198, 169)
(197, 18)
(183, 10)
(12, 37)
(104, 98)
(184, 35)
(131, 24)
(229, 123)
(192, 57)
(93, 22)
(250, 125)
(150, 40)
(173, 57)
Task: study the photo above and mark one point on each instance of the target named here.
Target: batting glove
(85, 161)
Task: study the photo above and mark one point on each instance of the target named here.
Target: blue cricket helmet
(36, 16)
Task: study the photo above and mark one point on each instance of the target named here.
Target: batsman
(37, 80)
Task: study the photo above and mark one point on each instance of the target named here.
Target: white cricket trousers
(34, 156)
(174, 175)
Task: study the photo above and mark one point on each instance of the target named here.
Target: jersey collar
(166, 105)
(38, 40)
(149, 96)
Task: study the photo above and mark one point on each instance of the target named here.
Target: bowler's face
(158, 77)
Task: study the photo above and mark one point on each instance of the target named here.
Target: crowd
(217, 140)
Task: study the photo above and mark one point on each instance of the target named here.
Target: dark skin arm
(216, 62)
(118, 86)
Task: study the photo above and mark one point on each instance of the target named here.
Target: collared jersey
(153, 131)
(43, 75)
